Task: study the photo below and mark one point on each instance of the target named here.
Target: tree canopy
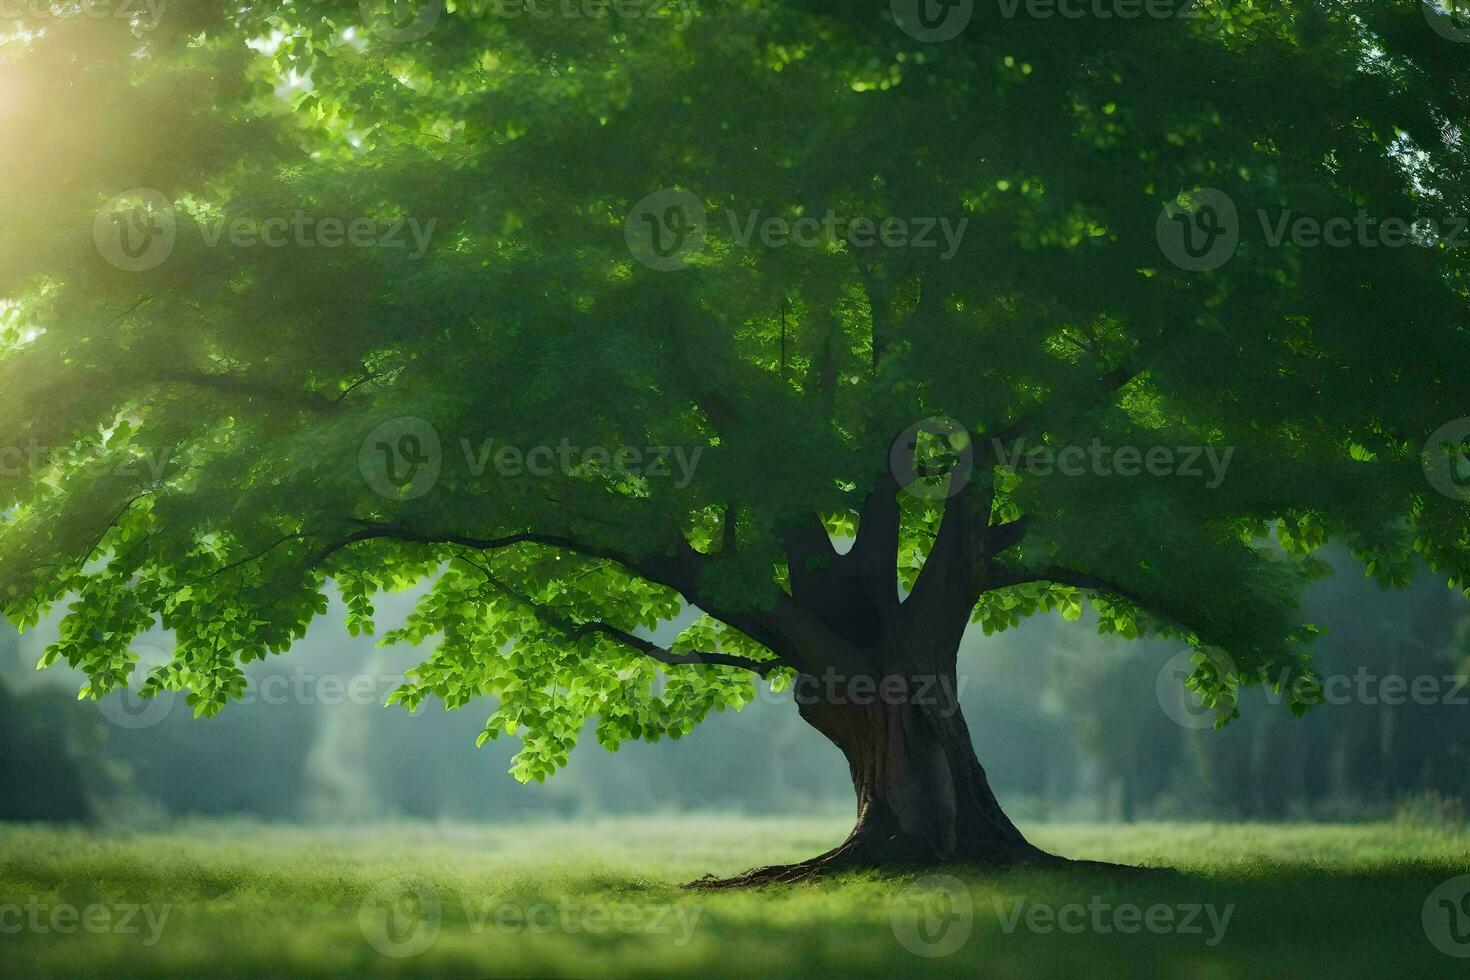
(275, 274)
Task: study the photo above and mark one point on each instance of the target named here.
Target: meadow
(603, 899)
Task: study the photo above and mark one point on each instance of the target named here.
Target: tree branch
(648, 648)
(398, 532)
(662, 655)
(1092, 583)
(875, 552)
(1005, 536)
(237, 385)
(727, 545)
(784, 630)
(805, 543)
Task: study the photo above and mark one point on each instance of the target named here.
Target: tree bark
(922, 795)
(878, 680)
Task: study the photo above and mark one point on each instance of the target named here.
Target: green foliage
(201, 424)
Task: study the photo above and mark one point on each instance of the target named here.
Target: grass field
(603, 900)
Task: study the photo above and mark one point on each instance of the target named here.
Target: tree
(941, 315)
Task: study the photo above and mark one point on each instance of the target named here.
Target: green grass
(246, 900)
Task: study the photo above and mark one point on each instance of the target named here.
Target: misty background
(1069, 724)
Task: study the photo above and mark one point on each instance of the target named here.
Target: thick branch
(809, 556)
(957, 566)
(1004, 536)
(784, 630)
(874, 554)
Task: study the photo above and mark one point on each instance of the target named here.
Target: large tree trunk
(877, 678)
(922, 795)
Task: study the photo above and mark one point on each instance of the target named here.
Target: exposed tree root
(852, 854)
(850, 857)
